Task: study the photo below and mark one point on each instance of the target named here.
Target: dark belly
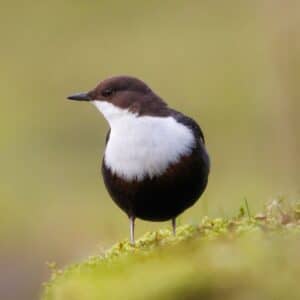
(163, 197)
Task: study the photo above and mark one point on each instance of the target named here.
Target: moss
(246, 257)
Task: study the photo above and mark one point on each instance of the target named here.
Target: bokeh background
(234, 66)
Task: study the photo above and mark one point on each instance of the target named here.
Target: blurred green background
(234, 66)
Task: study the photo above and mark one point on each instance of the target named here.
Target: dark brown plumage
(164, 197)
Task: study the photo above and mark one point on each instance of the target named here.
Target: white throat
(143, 146)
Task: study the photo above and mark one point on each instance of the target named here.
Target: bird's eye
(107, 92)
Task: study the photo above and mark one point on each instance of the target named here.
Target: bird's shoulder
(189, 122)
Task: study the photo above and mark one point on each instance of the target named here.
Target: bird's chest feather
(145, 146)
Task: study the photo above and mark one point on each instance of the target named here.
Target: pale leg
(132, 219)
(174, 226)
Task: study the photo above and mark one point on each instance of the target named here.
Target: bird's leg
(174, 226)
(132, 219)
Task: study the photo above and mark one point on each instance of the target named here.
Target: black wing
(181, 118)
(107, 137)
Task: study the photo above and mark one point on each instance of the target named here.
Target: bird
(155, 163)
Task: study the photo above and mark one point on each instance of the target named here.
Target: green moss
(240, 258)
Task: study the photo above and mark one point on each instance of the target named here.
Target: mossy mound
(241, 258)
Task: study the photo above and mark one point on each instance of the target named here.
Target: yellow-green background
(234, 66)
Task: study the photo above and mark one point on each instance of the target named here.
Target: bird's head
(116, 96)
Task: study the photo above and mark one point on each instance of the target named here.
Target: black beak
(80, 97)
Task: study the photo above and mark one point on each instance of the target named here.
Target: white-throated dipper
(155, 164)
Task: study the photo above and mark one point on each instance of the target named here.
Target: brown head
(128, 93)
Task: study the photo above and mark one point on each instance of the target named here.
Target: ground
(246, 257)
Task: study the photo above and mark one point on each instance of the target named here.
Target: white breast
(143, 146)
